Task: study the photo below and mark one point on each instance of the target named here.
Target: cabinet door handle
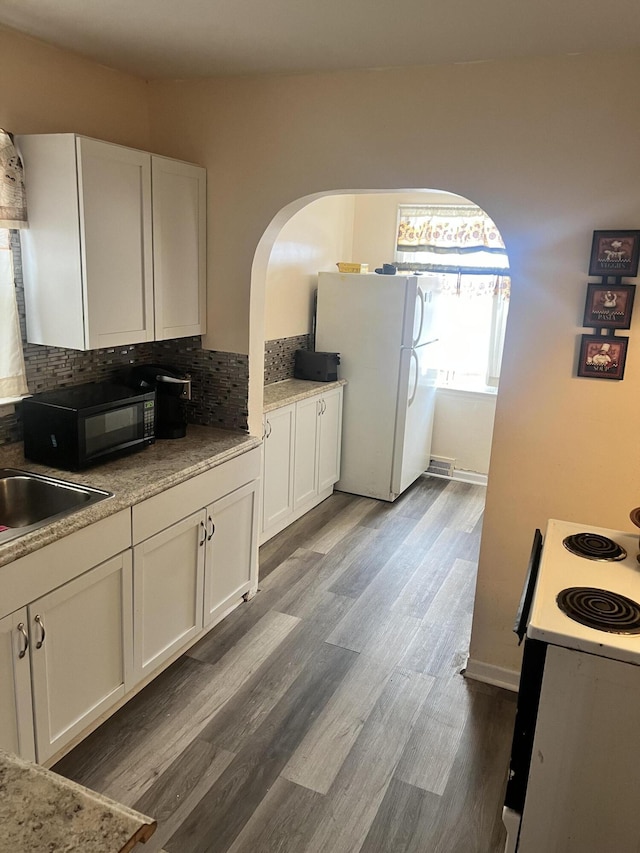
(204, 534)
(43, 634)
(20, 627)
(324, 407)
(213, 530)
(269, 428)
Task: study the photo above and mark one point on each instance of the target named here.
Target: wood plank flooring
(328, 714)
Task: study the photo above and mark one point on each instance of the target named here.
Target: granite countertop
(291, 390)
(42, 811)
(132, 479)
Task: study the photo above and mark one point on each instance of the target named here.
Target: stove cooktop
(600, 609)
(594, 546)
(617, 574)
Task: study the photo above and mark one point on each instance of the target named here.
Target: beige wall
(46, 90)
(313, 239)
(549, 149)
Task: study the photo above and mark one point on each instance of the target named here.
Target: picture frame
(602, 357)
(615, 253)
(609, 306)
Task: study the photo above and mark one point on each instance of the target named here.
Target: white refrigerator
(382, 326)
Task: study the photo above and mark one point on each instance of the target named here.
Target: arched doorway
(309, 235)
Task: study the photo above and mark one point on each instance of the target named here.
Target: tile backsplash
(220, 379)
(279, 357)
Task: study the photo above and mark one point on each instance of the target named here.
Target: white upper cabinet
(179, 247)
(115, 249)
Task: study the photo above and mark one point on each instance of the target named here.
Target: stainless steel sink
(29, 501)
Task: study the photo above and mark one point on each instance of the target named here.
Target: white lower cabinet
(305, 476)
(167, 592)
(81, 637)
(65, 660)
(85, 620)
(329, 439)
(189, 574)
(301, 458)
(186, 577)
(231, 556)
(277, 467)
(16, 714)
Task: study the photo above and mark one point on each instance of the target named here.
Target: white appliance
(575, 763)
(382, 326)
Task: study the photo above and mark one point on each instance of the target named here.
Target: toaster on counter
(317, 366)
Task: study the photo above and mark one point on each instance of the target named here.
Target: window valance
(452, 239)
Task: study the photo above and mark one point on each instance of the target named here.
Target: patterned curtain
(451, 239)
(13, 214)
(13, 201)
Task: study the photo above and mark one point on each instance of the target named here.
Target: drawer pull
(20, 627)
(38, 620)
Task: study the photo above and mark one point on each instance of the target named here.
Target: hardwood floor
(327, 715)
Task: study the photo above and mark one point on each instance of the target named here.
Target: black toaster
(317, 366)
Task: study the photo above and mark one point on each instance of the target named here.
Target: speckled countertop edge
(288, 391)
(45, 811)
(132, 479)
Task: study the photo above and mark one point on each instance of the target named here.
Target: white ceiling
(196, 38)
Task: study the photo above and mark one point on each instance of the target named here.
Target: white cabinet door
(179, 247)
(81, 652)
(329, 439)
(97, 225)
(305, 478)
(231, 561)
(168, 574)
(114, 190)
(277, 477)
(16, 712)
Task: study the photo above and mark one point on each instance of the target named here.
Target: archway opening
(314, 233)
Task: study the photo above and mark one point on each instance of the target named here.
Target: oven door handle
(526, 599)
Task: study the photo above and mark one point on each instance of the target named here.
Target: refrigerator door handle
(414, 355)
(420, 295)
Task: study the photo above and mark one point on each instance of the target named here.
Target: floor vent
(441, 465)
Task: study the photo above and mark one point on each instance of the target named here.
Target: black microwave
(76, 427)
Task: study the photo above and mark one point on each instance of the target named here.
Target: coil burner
(593, 546)
(600, 609)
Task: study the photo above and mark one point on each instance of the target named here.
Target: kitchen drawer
(157, 513)
(38, 573)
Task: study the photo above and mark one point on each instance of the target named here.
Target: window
(12, 377)
(13, 214)
(462, 252)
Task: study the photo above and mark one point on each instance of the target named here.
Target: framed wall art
(609, 306)
(602, 357)
(615, 253)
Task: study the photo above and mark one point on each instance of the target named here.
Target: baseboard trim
(508, 679)
(461, 476)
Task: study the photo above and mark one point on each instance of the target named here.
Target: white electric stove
(575, 765)
(608, 570)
